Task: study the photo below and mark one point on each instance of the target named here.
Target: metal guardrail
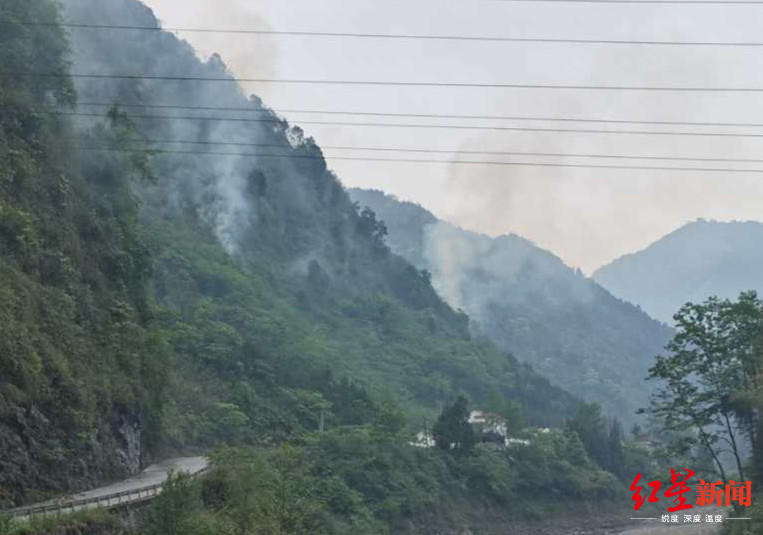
(107, 501)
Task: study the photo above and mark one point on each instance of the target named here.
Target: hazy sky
(586, 216)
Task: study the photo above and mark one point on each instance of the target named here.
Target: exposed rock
(127, 430)
(34, 456)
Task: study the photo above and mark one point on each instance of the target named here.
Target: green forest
(164, 300)
(531, 304)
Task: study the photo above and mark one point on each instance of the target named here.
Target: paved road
(156, 474)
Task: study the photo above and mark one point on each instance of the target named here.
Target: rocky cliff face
(34, 458)
(127, 430)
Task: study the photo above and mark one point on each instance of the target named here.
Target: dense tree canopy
(452, 431)
(82, 368)
(711, 376)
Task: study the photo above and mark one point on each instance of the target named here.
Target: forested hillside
(528, 302)
(265, 258)
(171, 297)
(700, 259)
(82, 366)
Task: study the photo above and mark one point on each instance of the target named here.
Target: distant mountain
(530, 303)
(698, 260)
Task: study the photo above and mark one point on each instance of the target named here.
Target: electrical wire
(428, 161)
(388, 83)
(433, 126)
(459, 151)
(358, 35)
(422, 115)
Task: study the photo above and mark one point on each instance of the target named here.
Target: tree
(591, 427)
(372, 228)
(508, 409)
(615, 456)
(602, 442)
(269, 492)
(173, 510)
(712, 375)
(6, 524)
(390, 420)
(452, 431)
(757, 407)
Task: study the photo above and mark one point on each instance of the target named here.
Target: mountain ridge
(697, 260)
(529, 302)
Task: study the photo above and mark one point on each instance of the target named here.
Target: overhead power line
(674, 2)
(358, 35)
(424, 115)
(461, 151)
(432, 126)
(428, 161)
(382, 83)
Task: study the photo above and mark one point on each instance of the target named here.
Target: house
(489, 427)
(489, 424)
(423, 440)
